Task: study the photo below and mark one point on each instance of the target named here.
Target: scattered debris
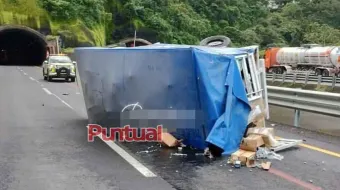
(199, 154)
(266, 165)
(43, 104)
(146, 151)
(305, 162)
(176, 171)
(311, 181)
(323, 162)
(65, 94)
(273, 125)
(324, 169)
(237, 164)
(230, 170)
(250, 170)
(180, 148)
(208, 153)
(178, 154)
(265, 153)
(285, 144)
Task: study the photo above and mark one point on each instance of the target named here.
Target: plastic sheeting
(195, 92)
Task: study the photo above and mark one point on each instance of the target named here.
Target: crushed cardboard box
(252, 142)
(266, 133)
(245, 157)
(169, 140)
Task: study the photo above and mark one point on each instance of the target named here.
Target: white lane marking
(47, 91)
(68, 105)
(32, 78)
(131, 160)
(25, 73)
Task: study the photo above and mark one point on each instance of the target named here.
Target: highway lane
(43, 143)
(295, 171)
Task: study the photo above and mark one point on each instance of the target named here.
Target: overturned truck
(203, 95)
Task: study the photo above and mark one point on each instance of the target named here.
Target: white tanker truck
(310, 57)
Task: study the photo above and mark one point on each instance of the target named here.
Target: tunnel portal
(20, 45)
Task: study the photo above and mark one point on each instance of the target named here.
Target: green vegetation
(246, 22)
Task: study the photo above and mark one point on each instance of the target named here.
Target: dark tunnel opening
(21, 46)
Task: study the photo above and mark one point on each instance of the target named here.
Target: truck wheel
(224, 41)
(73, 79)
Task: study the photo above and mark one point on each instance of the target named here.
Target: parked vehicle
(59, 66)
(310, 57)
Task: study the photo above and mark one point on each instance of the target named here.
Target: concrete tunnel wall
(21, 45)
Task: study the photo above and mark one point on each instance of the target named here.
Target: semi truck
(312, 58)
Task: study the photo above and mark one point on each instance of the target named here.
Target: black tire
(73, 79)
(49, 78)
(224, 41)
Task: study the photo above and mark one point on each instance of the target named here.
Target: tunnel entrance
(21, 45)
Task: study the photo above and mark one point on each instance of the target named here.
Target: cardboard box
(261, 131)
(169, 140)
(246, 157)
(266, 133)
(236, 155)
(251, 142)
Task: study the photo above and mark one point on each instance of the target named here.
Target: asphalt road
(43, 145)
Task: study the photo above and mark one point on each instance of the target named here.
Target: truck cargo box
(197, 93)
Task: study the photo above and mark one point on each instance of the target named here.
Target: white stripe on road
(131, 160)
(68, 105)
(50, 93)
(25, 73)
(47, 91)
(32, 78)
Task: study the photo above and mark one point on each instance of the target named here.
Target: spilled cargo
(203, 95)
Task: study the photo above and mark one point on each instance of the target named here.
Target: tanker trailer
(319, 60)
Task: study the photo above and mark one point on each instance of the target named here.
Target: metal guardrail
(324, 103)
(304, 78)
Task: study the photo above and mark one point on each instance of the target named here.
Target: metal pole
(319, 80)
(134, 40)
(57, 44)
(296, 116)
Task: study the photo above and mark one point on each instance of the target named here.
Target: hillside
(181, 21)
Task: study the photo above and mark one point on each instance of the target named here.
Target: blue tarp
(201, 84)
